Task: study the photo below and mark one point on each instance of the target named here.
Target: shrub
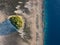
(17, 21)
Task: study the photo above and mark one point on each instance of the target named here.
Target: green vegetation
(17, 21)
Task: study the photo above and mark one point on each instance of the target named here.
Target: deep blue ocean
(52, 22)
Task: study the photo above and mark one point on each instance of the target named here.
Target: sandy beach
(15, 39)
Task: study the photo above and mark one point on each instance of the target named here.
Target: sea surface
(52, 22)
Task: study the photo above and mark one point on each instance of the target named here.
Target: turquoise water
(52, 22)
(45, 22)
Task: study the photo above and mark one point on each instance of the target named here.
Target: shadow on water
(8, 34)
(6, 28)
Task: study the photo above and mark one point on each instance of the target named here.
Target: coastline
(40, 32)
(45, 22)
